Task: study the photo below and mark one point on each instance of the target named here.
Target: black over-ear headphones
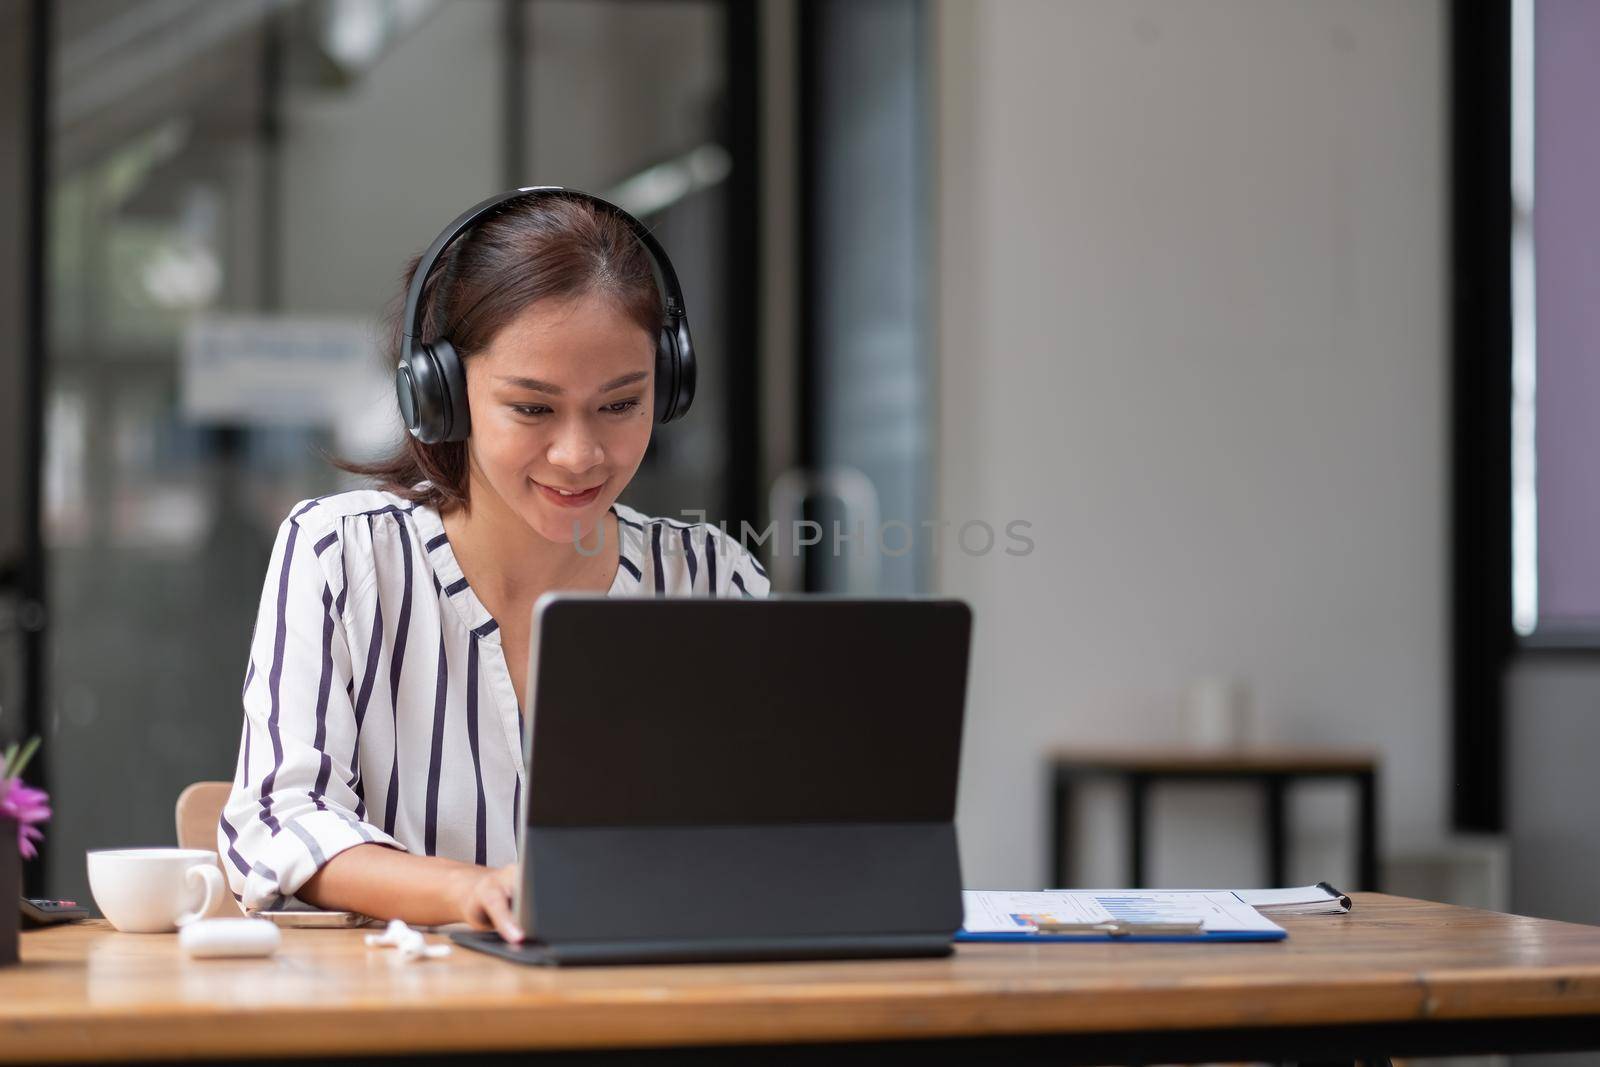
(430, 381)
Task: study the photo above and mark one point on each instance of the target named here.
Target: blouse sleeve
(295, 802)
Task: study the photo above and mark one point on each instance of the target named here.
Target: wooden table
(1273, 769)
(1395, 976)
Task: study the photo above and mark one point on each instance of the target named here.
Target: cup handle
(211, 884)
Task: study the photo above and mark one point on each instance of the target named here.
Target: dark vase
(10, 885)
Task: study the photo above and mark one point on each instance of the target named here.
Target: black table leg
(1275, 788)
(1060, 816)
(1367, 788)
(1138, 797)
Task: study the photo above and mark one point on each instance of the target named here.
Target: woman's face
(562, 403)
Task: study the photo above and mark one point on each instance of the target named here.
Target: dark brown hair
(544, 248)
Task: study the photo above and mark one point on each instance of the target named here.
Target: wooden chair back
(198, 812)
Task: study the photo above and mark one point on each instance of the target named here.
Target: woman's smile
(568, 497)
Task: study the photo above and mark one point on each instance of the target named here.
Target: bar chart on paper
(1151, 908)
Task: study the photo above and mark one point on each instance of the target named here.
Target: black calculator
(37, 913)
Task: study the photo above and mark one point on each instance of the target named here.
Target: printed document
(1218, 910)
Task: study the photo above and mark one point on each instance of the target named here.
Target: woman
(381, 768)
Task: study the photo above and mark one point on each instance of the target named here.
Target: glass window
(250, 178)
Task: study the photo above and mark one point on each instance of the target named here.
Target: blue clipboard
(1218, 935)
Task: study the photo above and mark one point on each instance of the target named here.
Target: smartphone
(37, 913)
(317, 920)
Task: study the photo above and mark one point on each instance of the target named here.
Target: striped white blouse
(377, 704)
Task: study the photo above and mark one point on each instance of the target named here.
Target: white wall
(1191, 298)
(371, 171)
(1553, 734)
(416, 140)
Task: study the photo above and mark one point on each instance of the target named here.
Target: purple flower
(27, 806)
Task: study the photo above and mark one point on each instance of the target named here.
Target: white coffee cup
(1219, 713)
(155, 890)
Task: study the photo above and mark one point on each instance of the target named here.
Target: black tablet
(741, 779)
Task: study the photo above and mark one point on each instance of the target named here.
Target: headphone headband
(666, 277)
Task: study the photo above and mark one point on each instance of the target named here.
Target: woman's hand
(483, 897)
(387, 883)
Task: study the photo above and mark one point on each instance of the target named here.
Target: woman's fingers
(485, 901)
(473, 914)
(508, 876)
(496, 904)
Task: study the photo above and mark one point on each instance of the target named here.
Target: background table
(1394, 976)
(1273, 769)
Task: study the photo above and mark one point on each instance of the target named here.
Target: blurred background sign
(247, 370)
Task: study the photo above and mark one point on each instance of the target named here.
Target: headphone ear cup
(675, 372)
(416, 386)
(666, 376)
(452, 377)
(686, 369)
(431, 387)
(406, 395)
